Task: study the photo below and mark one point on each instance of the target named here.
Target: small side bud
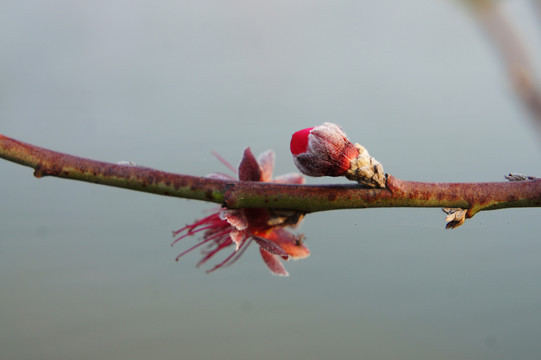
(518, 177)
(455, 217)
(325, 150)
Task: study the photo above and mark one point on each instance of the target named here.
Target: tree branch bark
(246, 194)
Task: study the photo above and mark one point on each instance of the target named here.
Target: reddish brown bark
(305, 198)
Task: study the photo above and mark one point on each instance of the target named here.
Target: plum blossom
(236, 229)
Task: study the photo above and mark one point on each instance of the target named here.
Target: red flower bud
(323, 150)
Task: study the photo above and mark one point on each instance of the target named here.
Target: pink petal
(270, 247)
(291, 244)
(266, 162)
(291, 178)
(235, 218)
(249, 169)
(237, 236)
(273, 262)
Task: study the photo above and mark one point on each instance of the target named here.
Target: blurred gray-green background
(86, 271)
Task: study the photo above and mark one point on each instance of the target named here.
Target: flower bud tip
(299, 141)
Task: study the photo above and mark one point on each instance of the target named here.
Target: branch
(512, 51)
(247, 194)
